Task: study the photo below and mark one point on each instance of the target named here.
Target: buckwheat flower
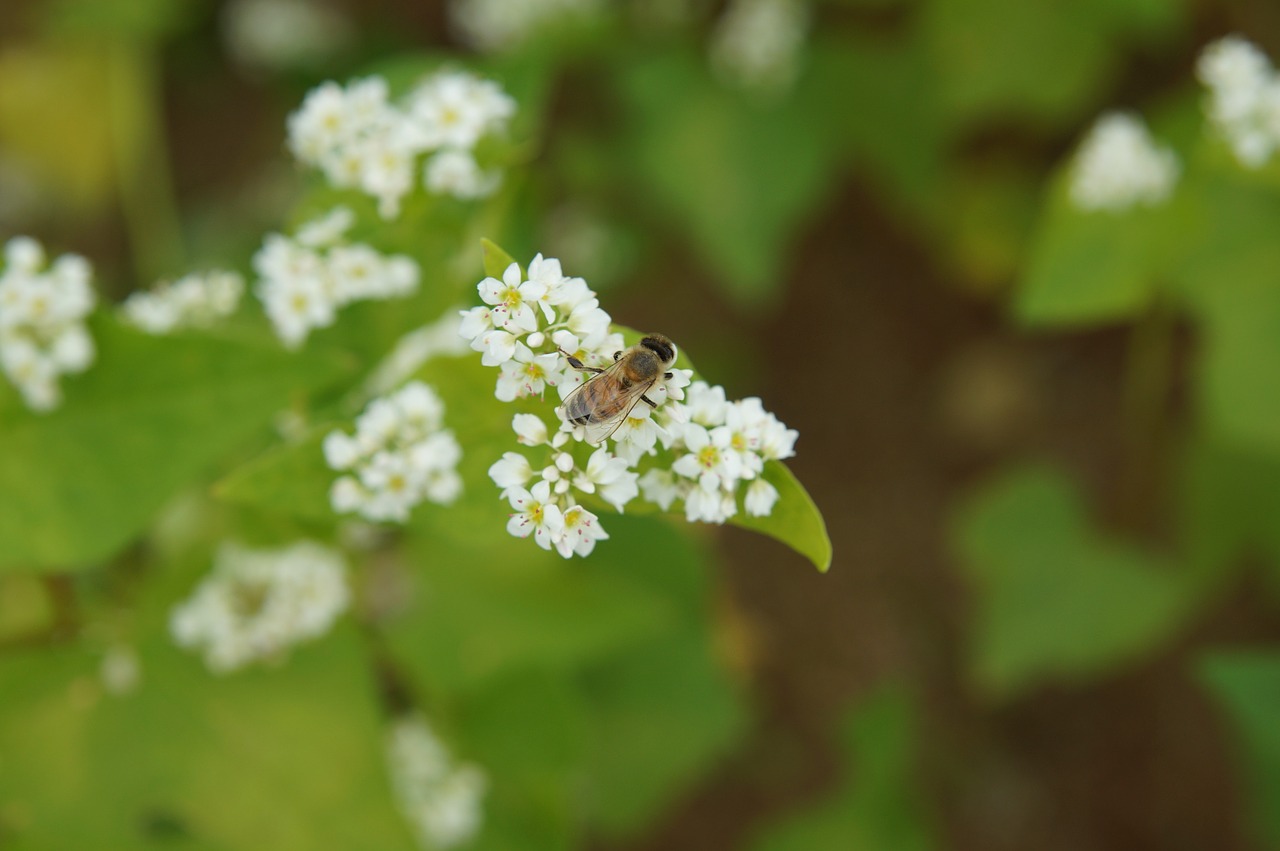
(710, 460)
(1119, 166)
(581, 531)
(493, 25)
(637, 435)
(757, 43)
(1244, 98)
(455, 172)
(708, 505)
(193, 301)
(302, 285)
(535, 513)
(120, 672)
(706, 404)
(399, 456)
(760, 499)
(661, 487)
(439, 796)
(609, 475)
(256, 604)
(458, 109)
(42, 313)
(327, 230)
(282, 34)
(526, 375)
(511, 471)
(530, 429)
(513, 295)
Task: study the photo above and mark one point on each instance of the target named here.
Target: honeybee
(605, 399)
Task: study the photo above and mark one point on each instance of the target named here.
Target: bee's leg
(579, 365)
(652, 404)
(668, 375)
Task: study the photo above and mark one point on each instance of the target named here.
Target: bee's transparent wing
(601, 403)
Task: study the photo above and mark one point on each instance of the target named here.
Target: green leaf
(733, 174)
(149, 418)
(243, 761)
(1247, 684)
(496, 260)
(878, 804)
(795, 520)
(1054, 598)
(1229, 502)
(1094, 266)
(661, 713)
(983, 50)
(291, 478)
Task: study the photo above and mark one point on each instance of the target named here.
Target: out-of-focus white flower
(455, 172)
(283, 34)
(1244, 98)
(42, 313)
(756, 44)
(256, 604)
(362, 139)
(120, 671)
(414, 349)
(1119, 166)
(439, 796)
(399, 456)
(192, 301)
(304, 281)
(494, 25)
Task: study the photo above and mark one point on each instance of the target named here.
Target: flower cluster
(191, 301)
(500, 24)
(258, 603)
(360, 139)
(1244, 98)
(439, 796)
(399, 456)
(756, 43)
(689, 445)
(42, 312)
(304, 280)
(1119, 165)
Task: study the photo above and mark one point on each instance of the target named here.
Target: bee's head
(660, 346)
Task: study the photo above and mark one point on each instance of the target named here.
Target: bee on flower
(631, 424)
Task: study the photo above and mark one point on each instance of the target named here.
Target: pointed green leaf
(795, 520)
(1056, 599)
(149, 418)
(496, 260)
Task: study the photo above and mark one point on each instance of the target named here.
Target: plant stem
(1145, 413)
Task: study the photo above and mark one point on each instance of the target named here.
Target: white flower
(455, 172)
(302, 285)
(192, 301)
(455, 109)
(511, 471)
(440, 797)
(258, 603)
(1244, 98)
(611, 476)
(535, 514)
(361, 139)
(661, 487)
(513, 296)
(498, 24)
(42, 314)
(757, 43)
(581, 531)
(400, 455)
(760, 499)
(1119, 166)
(282, 34)
(526, 375)
(530, 429)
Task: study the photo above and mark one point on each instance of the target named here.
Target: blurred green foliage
(595, 694)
